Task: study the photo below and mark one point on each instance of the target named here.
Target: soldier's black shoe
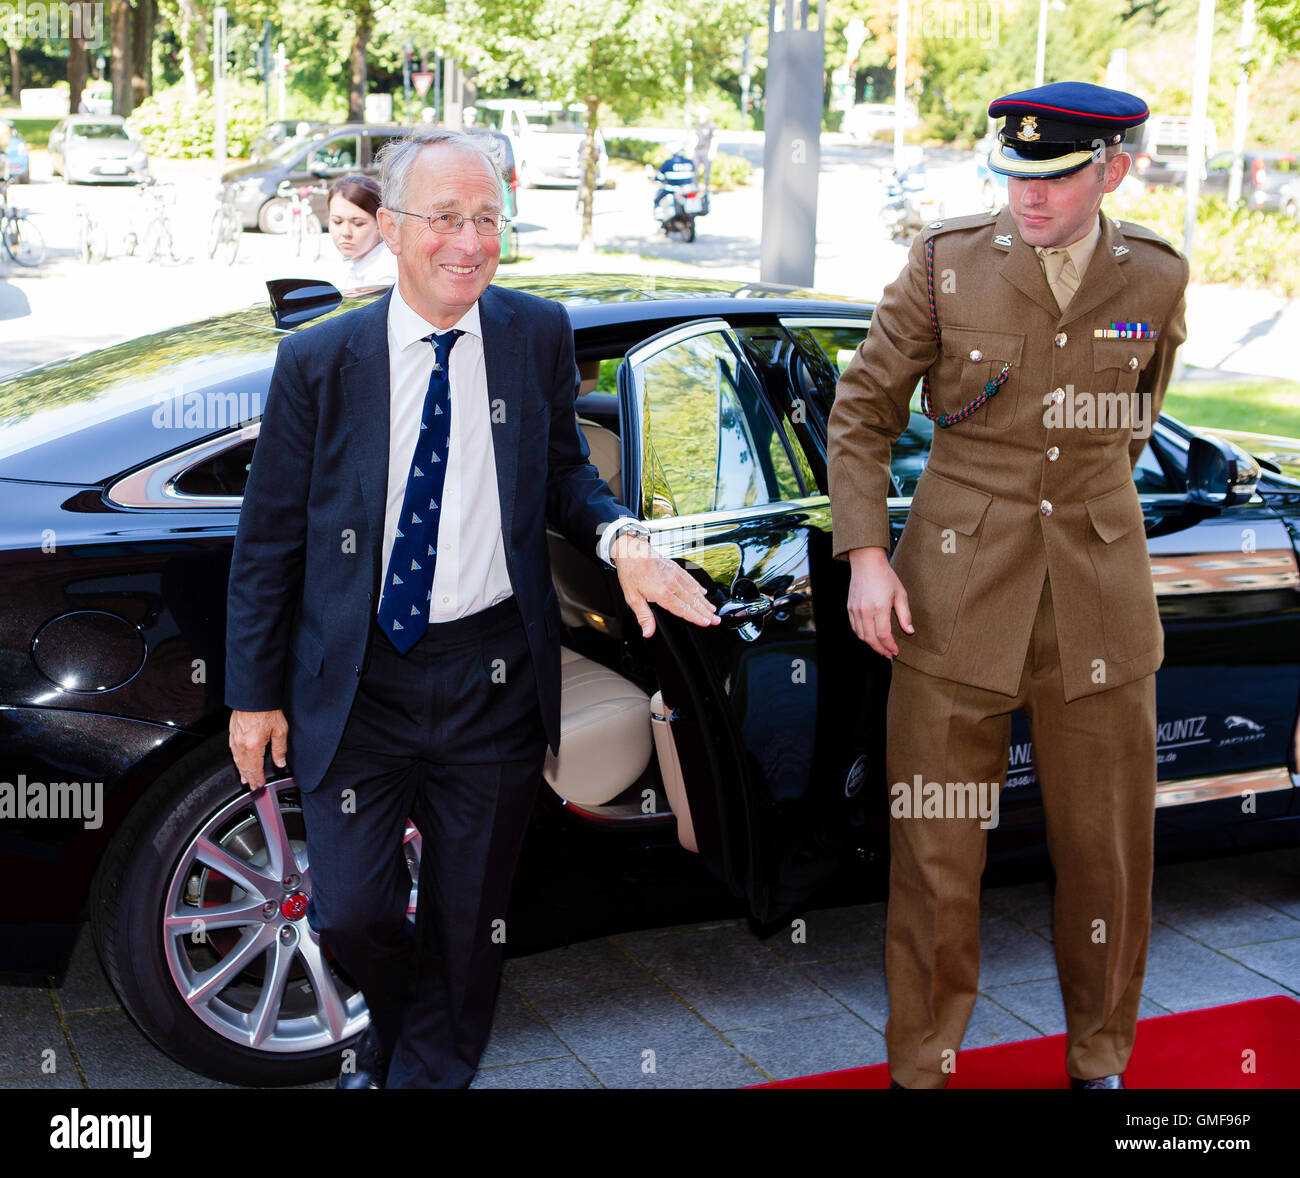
(1078, 1085)
(372, 1064)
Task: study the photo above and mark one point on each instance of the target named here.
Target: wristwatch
(616, 529)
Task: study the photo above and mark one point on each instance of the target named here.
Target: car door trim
(154, 486)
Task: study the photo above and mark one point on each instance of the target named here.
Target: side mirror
(1219, 473)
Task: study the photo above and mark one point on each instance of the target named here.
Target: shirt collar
(405, 327)
(1080, 251)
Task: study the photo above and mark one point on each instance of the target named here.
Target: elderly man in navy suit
(391, 620)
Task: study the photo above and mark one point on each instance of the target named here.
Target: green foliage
(174, 129)
(730, 171)
(641, 151)
(1241, 246)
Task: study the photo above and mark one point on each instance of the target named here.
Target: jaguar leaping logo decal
(1242, 722)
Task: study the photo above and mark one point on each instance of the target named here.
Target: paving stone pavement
(713, 1006)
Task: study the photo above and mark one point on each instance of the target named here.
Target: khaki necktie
(1061, 275)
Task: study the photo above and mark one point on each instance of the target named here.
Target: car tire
(159, 868)
(275, 216)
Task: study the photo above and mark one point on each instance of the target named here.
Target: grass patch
(35, 131)
(1258, 406)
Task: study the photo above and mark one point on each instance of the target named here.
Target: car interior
(615, 735)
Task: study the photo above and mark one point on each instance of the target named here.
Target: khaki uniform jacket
(1037, 481)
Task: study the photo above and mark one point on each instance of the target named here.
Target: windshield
(293, 145)
(556, 122)
(98, 131)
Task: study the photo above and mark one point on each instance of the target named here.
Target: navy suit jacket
(305, 577)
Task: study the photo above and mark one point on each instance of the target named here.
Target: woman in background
(354, 228)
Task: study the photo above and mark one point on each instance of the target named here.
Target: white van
(547, 138)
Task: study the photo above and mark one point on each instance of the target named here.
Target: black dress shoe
(372, 1064)
(1078, 1085)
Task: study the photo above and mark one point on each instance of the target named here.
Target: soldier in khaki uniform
(1046, 335)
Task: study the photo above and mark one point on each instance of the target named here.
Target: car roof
(86, 419)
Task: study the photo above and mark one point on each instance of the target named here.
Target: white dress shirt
(470, 573)
(377, 268)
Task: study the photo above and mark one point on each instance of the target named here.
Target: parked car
(20, 163)
(498, 146)
(317, 158)
(97, 149)
(705, 772)
(865, 120)
(279, 132)
(1159, 148)
(548, 139)
(1268, 178)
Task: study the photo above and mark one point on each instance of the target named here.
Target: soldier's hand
(249, 734)
(874, 594)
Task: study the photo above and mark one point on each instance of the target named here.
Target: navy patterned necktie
(408, 585)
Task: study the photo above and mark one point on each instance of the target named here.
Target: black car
(758, 743)
(314, 159)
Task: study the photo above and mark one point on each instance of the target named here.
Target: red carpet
(1196, 1049)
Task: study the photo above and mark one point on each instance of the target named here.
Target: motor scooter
(678, 200)
(907, 209)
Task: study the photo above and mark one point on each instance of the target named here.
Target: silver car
(91, 149)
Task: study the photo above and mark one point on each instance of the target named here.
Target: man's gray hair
(397, 157)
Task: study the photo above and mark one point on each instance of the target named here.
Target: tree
(364, 24)
(620, 56)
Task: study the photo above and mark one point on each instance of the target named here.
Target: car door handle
(741, 611)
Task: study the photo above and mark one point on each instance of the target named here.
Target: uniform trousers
(449, 735)
(1095, 760)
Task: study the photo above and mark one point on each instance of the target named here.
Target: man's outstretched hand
(645, 577)
(249, 734)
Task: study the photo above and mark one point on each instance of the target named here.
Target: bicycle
(21, 239)
(304, 225)
(158, 238)
(224, 234)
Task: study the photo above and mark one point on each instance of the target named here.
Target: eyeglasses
(485, 224)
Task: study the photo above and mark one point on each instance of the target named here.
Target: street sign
(422, 82)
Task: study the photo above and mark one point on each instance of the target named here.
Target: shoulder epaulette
(951, 224)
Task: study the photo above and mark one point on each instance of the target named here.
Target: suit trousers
(1095, 760)
(449, 735)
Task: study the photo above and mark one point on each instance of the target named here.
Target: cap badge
(1028, 128)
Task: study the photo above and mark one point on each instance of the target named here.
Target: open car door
(770, 712)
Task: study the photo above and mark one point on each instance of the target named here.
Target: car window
(98, 131)
(1219, 163)
(378, 140)
(335, 155)
(222, 475)
(711, 442)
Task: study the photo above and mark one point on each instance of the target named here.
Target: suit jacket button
(1045, 507)
(358, 671)
(1058, 395)
(1053, 453)
(1061, 339)
(1133, 363)
(977, 355)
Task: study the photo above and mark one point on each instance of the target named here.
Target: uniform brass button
(1133, 363)
(1061, 339)
(1053, 453)
(1058, 395)
(1045, 507)
(977, 355)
